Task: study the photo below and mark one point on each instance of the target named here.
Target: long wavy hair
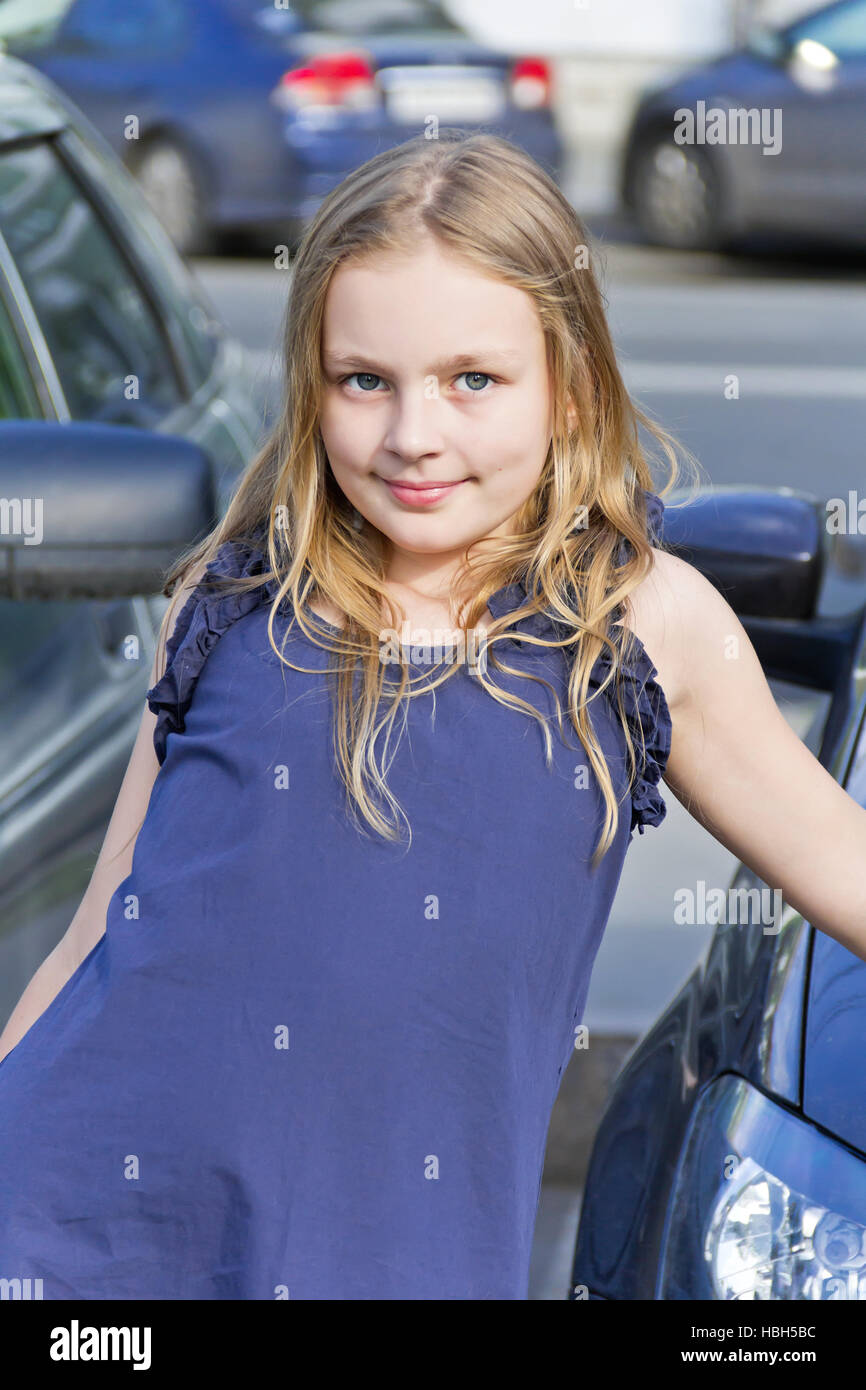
(488, 202)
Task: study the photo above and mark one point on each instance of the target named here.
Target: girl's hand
(736, 764)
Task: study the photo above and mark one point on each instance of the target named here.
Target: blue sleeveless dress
(301, 1062)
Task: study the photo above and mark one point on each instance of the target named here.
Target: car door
(70, 697)
(834, 1080)
(76, 332)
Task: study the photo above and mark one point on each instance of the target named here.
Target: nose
(413, 431)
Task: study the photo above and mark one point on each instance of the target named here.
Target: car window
(146, 25)
(353, 17)
(377, 16)
(841, 30)
(182, 298)
(18, 399)
(111, 356)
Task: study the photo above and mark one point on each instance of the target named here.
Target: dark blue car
(239, 115)
(768, 139)
(730, 1163)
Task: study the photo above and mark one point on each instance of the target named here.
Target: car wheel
(676, 196)
(172, 186)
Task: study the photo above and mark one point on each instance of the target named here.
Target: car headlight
(764, 1206)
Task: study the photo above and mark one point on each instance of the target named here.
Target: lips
(423, 494)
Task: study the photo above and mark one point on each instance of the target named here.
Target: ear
(572, 414)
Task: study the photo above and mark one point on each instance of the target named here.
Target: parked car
(241, 115)
(793, 159)
(101, 323)
(730, 1162)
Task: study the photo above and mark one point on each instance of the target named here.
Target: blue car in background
(798, 93)
(238, 116)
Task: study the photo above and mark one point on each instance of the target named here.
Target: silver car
(100, 322)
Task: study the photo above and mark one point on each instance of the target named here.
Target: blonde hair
(487, 201)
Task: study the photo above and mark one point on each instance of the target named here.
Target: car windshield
(766, 43)
(349, 16)
(840, 28)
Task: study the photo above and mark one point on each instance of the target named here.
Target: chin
(434, 533)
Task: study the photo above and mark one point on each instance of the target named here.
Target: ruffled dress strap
(206, 614)
(649, 725)
(645, 705)
(655, 515)
(644, 702)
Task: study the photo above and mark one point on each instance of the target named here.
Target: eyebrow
(465, 360)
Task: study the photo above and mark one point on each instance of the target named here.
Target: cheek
(522, 427)
(515, 454)
(343, 435)
(330, 422)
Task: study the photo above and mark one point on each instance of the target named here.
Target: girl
(309, 1044)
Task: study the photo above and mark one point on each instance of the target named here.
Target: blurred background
(721, 262)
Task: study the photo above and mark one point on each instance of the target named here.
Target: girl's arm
(736, 764)
(112, 866)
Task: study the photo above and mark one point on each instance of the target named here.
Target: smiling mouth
(422, 494)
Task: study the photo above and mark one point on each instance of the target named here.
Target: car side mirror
(764, 549)
(97, 511)
(767, 551)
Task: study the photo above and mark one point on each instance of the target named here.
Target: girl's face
(433, 374)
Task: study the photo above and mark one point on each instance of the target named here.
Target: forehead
(430, 299)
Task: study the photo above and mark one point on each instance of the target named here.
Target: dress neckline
(210, 612)
(507, 600)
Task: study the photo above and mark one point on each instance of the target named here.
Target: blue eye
(369, 375)
(483, 374)
(374, 377)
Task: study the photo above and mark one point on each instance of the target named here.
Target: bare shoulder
(677, 613)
